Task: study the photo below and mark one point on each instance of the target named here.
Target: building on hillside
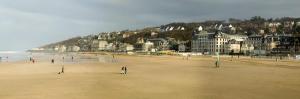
(111, 47)
(286, 44)
(211, 43)
(233, 47)
(99, 45)
(60, 48)
(85, 44)
(257, 42)
(154, 34)
(272, 44)
(239, 47)
(144, 47)
(73, 48)
(140, 40)
(127, 34)
(181, 48)
(106, 36)
(148, 46)
(247, 49)
(126, 47)
(273, 26)
(160, 43)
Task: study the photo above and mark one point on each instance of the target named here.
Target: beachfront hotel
(210, 43)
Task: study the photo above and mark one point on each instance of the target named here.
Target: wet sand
(151, 77)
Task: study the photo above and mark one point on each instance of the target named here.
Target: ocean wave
(9, 52)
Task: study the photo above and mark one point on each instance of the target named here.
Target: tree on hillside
(257, 19)
(234, 21)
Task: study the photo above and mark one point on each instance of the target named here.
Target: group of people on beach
(124, 70)
(32, 60)
(63, 59)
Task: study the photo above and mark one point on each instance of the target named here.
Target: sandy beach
(150, 77)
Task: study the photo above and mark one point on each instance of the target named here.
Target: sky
(25, 24)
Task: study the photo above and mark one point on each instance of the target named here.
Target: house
(140, 41)
(273, 26)
(239, 47)
(60, 48)
(160, 43)
(148, 46)
(233, 46)
(99, 45)
(298, 23)
(110, 47)
(126, 47)
(127, 34)
(271, 44)
(181, 48)
(154, 34)
(73, 48)
(200, 28)
(256, 41)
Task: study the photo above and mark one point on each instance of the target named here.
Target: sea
(16, 56)
(13, 56)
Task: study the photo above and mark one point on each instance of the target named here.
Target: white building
(213, 42)
(148, 46)
(126, 47)
(99, 45)
(160, 43)
(73, 48)
(110, 47)
(234, 47)
(200, 28)
(181, 48)
(102, 45)
(61, 48)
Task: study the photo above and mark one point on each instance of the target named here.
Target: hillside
(181, 31)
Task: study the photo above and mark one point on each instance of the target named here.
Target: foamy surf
(9, 52)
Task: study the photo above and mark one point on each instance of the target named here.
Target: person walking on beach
(122, 70)
(125, 70)
(33, 61)
(113, 58)
(63, 69)
(217, 63)
(72, 58)
(52, 61)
